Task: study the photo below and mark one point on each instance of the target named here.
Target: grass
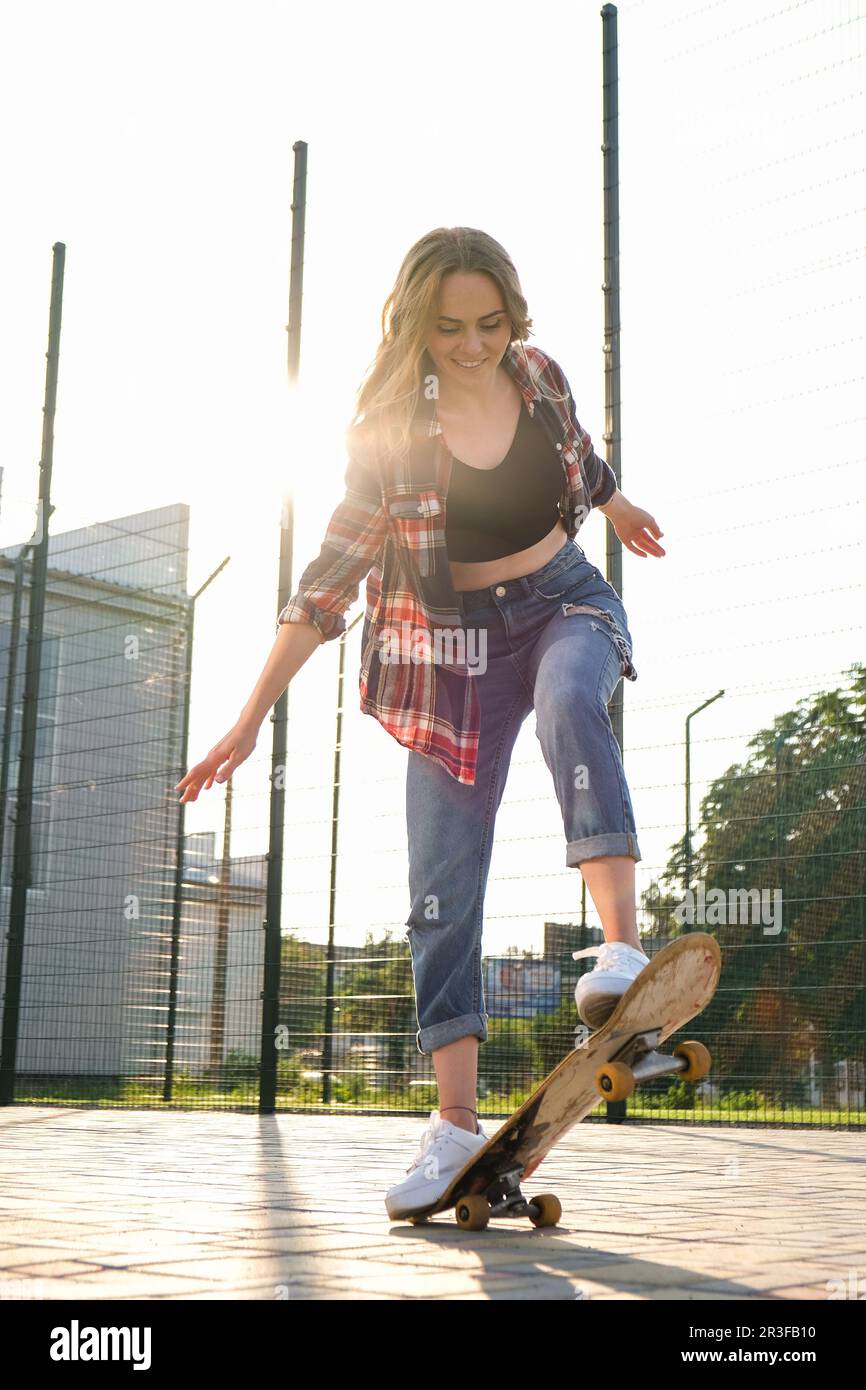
(237, 1089)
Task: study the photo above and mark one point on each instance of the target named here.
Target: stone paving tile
(188, 1205)
(452, 1284)
(683, 1294)
(47, 1269)
(34, 1255)
(804, 1290)
(119, 1283)
(364, 1245)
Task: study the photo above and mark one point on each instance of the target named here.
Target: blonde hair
(385, 405)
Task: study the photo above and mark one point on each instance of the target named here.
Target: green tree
(789, 819)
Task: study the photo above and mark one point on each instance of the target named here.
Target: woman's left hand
(637, 530)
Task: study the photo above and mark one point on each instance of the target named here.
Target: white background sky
(156, 143)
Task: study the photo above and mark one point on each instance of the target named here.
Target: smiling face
(471, 334)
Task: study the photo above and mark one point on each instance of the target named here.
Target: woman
(458, 406)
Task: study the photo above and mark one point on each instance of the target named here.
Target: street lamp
(688, 846)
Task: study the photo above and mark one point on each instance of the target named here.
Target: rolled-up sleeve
(599, 475)
(601, 479)
(354, 536)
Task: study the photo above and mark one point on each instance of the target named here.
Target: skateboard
(677, 984)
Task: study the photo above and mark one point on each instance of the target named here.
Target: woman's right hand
(220, 762)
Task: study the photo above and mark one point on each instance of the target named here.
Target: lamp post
(688, 837)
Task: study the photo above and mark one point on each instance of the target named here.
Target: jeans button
(500, 590)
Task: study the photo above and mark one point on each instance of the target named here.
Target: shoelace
(425, 1138)
(422, 1147)
(608, 957)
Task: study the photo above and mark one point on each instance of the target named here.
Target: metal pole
(180, 844)
(615, 1110)
(327, 1044)
(687, 871)
(11, 674)
(612, 326)
(221, 946)
(688, 836)
(26, 756)
(778, 749)
(180, 838)
(273, 909)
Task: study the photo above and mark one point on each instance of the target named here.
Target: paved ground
(136, 1204)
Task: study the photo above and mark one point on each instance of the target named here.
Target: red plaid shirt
(392, 529)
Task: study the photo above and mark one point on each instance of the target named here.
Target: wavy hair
(386, 402)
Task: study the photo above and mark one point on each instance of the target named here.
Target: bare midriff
(477, 576)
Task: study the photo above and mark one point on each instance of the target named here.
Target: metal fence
(142, 986)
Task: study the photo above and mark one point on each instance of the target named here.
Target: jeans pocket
(568, 583)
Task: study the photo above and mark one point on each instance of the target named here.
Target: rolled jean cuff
(440, 1034)
(597, 846)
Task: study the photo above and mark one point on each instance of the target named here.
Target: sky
(156, 144)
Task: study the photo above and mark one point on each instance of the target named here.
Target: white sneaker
(442, 1152)
(598, 992)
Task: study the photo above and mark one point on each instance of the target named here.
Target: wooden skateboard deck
(677, 984)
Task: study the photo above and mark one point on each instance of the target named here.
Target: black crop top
(492, 512)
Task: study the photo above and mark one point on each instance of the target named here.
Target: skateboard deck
(677, 984)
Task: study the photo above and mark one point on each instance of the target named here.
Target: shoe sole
(401, 1213)
(597, 1009)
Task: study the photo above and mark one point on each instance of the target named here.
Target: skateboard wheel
(698, 1059)
(473, 1213)
(550, 1209)
(614, 1081)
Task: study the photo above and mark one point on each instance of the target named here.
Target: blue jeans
(556, 641)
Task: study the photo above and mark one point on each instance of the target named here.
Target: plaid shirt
(392, 529)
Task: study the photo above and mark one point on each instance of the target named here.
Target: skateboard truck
(638, 1061)
(503, 1197)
